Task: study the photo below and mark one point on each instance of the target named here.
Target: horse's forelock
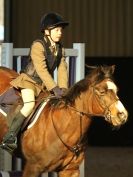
(100, 73)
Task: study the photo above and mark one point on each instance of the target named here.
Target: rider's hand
(64, 90)
(57, 92)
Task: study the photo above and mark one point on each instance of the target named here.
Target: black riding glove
(57, 92)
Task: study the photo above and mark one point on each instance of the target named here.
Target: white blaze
(120, 106)
(111, 86)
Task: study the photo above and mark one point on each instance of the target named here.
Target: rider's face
(56, 34)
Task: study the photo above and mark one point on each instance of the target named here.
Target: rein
(106, 113)
(89, 115)
(75, 149)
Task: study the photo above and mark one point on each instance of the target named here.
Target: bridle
(106, 113)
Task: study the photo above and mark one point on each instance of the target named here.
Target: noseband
(104, 106)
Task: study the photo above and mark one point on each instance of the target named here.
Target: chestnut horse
(56, 141)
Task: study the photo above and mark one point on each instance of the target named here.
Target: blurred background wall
(105, 26)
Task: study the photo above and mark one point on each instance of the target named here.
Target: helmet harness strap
(49, 35)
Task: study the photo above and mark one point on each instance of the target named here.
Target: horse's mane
(95, 76)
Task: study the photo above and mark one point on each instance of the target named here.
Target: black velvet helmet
(52, 20)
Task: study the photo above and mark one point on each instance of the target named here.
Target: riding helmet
(52, 20)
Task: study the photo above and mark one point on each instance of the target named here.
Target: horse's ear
(112, 69)
(107, 70)
(90, 67)
(102, 69)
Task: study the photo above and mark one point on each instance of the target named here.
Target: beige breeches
(28, 97)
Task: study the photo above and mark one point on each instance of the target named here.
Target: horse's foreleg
(69, 173)
(31, 170)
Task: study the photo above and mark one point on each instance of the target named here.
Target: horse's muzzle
(122, 116)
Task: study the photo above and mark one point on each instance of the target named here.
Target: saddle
(11, 102)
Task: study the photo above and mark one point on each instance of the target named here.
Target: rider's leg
(28, 97)
(9, 140)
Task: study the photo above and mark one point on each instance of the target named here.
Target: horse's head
(105, 101)
(96, 95)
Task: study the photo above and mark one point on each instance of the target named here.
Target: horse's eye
(102, 92)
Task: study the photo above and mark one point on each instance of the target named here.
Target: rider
(45, 55)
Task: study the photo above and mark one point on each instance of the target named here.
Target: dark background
(101, 133)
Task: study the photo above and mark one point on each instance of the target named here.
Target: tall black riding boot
(9, 142)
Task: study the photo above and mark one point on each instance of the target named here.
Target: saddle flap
(41, 101)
